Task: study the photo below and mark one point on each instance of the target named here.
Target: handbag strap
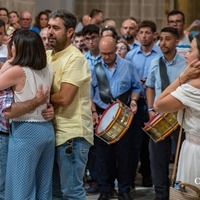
(163, 74)
(177, 151)
(182, 187)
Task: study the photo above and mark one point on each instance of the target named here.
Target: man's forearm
(150, 94)
(21, 108)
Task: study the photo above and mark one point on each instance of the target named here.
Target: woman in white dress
(184, 93)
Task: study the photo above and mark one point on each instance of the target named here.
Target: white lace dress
(189, 160)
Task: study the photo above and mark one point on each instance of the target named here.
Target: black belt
(4, 133)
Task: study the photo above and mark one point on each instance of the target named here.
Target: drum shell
(161, 126)
(118, 125)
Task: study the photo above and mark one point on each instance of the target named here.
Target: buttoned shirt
(75, 120)
(174, 69)
(142, 61)
(91, 59)
(135, 45)
(121, 79)
(6, 100)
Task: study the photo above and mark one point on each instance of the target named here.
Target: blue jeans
(3, 161)
(69, 168)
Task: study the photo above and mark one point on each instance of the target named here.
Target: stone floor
(140, 193)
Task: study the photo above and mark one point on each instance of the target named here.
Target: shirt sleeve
(188, 95)
(151, 79)
(136, 85)
(76, 72)
(6, 99)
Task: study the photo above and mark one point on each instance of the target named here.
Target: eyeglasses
(25, 19)
(123, 48)
(93, 39)
(175, 22)
(3, 15)
(69, 148)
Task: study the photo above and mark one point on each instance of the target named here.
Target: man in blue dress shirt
(128, 31)
(141, 57)
(175, 64)
(114, 159)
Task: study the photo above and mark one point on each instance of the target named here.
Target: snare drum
(114, 122)
(161, 126)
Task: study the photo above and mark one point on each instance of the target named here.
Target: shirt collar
(134, 45)
(154, 49)
(60, 53)
(115, 64)
(173, 62)
(88, 55)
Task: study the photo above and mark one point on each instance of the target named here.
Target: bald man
(128, 31)
(114, 160)
(25, 21)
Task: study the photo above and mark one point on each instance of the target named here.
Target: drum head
(107, 117)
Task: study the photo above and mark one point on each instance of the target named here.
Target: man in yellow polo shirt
(71, 100)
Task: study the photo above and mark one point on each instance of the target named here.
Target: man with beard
(70, 94)
(129, 30)
(141, 57)
(174, 64)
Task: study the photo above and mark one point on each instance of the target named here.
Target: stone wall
(115, 9)
(19, 5)
(118, 10)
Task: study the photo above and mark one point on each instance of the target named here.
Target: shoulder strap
(163, 74)
(190, 36)
(103, 84)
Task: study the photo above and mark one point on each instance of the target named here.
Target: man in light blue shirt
(174, 68)
(141, 57)
(91, 34)
(175, 64)
(114, 159)
(128, 31)
(121, 79)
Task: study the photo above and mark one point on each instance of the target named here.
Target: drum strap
(125, 97)
(103, 84)
(163, 74)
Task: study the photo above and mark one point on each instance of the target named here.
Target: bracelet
(151, 109)
(179, 80)
(94, 111)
